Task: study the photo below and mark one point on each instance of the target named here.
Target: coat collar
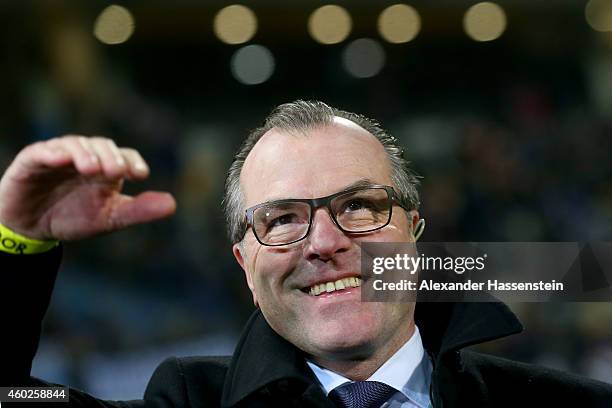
(262, 357)
(452, 326)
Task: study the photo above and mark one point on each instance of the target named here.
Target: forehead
(312, 163)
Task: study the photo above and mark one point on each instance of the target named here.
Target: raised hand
(69, 188)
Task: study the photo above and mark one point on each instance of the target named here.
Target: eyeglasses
(355, 211)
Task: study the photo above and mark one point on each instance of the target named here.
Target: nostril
(324, 256)
(312, 256)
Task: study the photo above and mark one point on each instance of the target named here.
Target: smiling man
(302, 195)
(310, 161)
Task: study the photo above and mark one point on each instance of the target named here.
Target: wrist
(17, 244)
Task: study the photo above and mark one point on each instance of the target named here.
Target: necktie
(361, 394)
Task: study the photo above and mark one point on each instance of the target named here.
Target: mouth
(333, 286)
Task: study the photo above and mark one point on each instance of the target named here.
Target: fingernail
(140, 166)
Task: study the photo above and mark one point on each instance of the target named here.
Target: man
(302, 195)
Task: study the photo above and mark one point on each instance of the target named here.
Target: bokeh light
(598, 14)
(485, 21)
(252, 65)
(399, 23)
(364, 58)
(329, 24)
(114, 25)
(235, 24)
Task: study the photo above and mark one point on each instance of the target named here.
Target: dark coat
(265, 370)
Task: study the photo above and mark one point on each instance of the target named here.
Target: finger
(42, 154)
(39, 157)
(137, 167)
(146, 207)
(84, 157)
(113, 163)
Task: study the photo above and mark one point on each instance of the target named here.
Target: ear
(237, 251)
(413, 220)
(414, 217)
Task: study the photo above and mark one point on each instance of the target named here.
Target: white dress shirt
(408, 371)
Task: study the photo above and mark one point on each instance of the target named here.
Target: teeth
(329, 287)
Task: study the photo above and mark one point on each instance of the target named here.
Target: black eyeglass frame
(325, 202)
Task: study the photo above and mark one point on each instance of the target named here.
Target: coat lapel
(264, 361)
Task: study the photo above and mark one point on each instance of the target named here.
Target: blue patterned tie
(361, 394)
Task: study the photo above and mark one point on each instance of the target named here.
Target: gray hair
(302, 116)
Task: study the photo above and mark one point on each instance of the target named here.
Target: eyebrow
(363, 182)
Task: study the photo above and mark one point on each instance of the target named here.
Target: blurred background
(504, 108)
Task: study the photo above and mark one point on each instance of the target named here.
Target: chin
(340, 341)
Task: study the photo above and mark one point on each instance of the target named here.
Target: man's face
(336, 325)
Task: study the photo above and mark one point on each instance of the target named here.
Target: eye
(282, 220)
(285, 220)
(356, 205)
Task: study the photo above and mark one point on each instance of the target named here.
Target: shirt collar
(408, 371)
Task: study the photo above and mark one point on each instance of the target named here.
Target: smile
(328, 287)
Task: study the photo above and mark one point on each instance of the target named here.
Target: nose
(325, 238)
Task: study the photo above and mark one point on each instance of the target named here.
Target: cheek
(276, 298)
(400, 226)
(398, 230)
(271, 268)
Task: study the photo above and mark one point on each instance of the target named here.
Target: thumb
(145, 207)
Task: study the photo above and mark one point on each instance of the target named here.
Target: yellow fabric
(13, 243)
